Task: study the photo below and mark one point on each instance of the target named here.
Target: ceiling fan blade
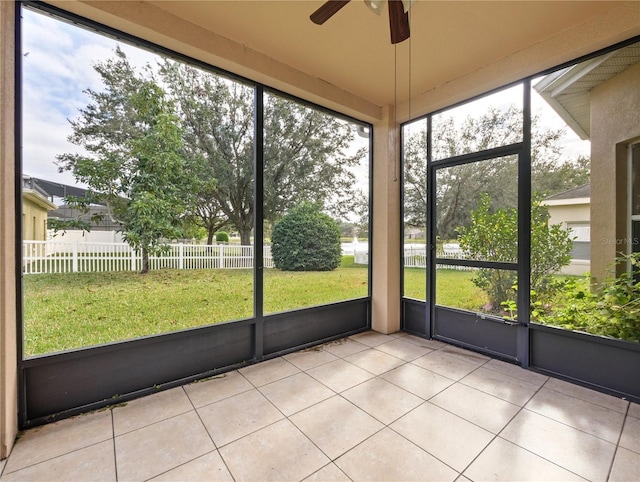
(398, 21)
(327, 10)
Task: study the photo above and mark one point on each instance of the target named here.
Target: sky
(57, 69)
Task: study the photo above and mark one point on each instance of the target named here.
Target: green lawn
(66, 311)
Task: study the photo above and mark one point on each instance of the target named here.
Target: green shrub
(493, 236)
(222, 237)
(612, 310)
(306, 240)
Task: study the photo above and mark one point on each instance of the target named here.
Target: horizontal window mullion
(502, 151)
(478, 264)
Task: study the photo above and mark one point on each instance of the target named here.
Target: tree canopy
(305, 149)
(133, 158)
(171, 144)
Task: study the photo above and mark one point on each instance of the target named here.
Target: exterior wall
(615, 121)
(34, 220)
(571, 213)
(8, 355)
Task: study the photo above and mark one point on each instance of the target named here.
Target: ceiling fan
(398, 15)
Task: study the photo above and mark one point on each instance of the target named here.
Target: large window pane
(585, 117)
(153, 172)
(414, 137)
(316, 207)
(476, 213)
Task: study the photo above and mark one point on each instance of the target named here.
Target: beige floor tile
(208, 468)
(508, 388)
(418, 381)
(157, 448)
(217, 388)
(43, 443)
(387, 456)
(268, 371)
(237, 416)
(444, 435)
(634, 410)
(2, 462)
(374, 361)
(522, 465)
(486, 411)
(296, 393)
(371, 338)
(403, 349)
(382, 399)
(465, 355)
(588, 395)
(339, 375)
(279, 452)
(462, 478)
(445, 365)
(516, 371)
(631, 435)
(592, 419)
(310, 358)
(581, 453)
(150, 409)
(344, 347)
(423, 342)
(626, 466)
(328, 473)
(96, 462)
(336, 425)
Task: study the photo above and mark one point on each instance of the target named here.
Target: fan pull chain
(395, 112)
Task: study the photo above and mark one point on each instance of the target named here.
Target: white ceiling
(352, 50)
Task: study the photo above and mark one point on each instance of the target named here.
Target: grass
(454, 288)
(67, 311)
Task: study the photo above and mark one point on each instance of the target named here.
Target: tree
(306, 240)
(493, 236)
(133, 159)
(304, 150)
(458, 188)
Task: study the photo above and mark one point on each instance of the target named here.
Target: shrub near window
(306, 240)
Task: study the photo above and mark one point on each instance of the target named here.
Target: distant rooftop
(576, 192)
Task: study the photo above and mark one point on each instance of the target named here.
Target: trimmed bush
(306, 240)
(222, 237)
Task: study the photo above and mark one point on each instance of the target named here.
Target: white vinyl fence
(77, 257)
(415, 256)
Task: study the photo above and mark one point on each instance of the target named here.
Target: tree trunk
(211, 231)
(245, 237)
(145, 261)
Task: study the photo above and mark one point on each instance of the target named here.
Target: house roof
(459, 48)
(568, 91)
(580, 192)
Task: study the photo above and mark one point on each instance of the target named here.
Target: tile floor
(369, 407)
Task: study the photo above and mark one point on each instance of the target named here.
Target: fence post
(181, 254)
(74, 265)
(221, 254)
(133, 259)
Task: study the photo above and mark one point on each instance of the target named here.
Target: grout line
(615, 452)
(113, 440)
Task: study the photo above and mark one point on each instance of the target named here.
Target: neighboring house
(571, 209)
(35, 206)
(599, 100)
